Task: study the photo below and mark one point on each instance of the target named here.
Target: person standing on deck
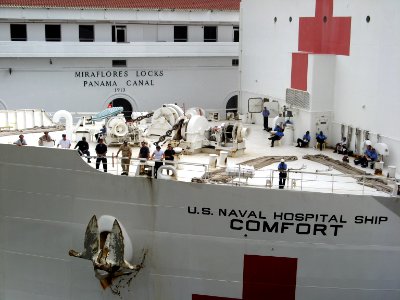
(101, 151)
(126, 157)
(83, 148)
(282, 168)
(45, 138)
(265, 114)
(21, 141)
(144, 154)
(64, 143)
(158, 155)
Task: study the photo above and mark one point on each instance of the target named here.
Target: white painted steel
(57, 193)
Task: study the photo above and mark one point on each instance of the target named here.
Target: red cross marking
(322, 34)
(265, 277)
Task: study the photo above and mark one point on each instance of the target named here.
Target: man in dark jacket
(83, 148)
(101, 151)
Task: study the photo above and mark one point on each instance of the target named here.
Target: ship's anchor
(106, 251)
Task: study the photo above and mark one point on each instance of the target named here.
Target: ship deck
(304, 174)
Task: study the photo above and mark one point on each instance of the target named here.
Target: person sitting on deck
(341, 147)
(276, 135)
(102, 133)
(370, 156)
(321, 138)
(305, 141)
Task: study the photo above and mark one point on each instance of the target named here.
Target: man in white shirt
(21, 141)
(158, 156)
(64, 143)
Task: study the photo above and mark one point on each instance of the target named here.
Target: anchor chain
(140, 118)
(169, 132)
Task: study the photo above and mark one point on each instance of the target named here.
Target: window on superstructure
(236, 34)
(18, 32)
(118, 63)
(86, 33)
(53, 33)
(180, 34)
(235, 62)
(118, 33)
(210, 33)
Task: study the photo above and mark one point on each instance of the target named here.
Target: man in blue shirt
(282, 168)
(321, 138)
(265, 114)
(370, 156)
(305, 141)
(277, 135)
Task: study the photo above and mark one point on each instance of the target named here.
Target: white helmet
(282, 160)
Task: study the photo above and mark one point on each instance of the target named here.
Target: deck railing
(297, 180)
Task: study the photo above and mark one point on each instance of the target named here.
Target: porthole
(275, 19)
(325, 19)
(368, 19)
(290, 19)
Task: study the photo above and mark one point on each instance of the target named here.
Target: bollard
(392, 171)
(223, 158)
(212, 161)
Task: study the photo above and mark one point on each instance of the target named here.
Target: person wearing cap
(126, 157)
(144, 154)
(21, 141)
(282, 168)
(101, 151)
(64, 143)
(45, 138)
(158, 156)
(83, 148)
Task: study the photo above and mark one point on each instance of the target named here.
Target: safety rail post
(239, 174)
(287, 179)
(363, 190)
(273, 177)
(332, 176)
(301, 182)
(206, 171)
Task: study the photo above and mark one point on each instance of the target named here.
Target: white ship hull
(204, 241)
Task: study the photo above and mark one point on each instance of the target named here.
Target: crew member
(282, 168)
(126, 157)
(305, 141)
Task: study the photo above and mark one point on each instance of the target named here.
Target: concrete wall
(205, 82)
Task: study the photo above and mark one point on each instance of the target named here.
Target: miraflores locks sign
(119, 79)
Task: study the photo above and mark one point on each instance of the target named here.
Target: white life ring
(120, 129)
(160, 175)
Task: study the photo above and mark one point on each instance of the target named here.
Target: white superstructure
(339, 60)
